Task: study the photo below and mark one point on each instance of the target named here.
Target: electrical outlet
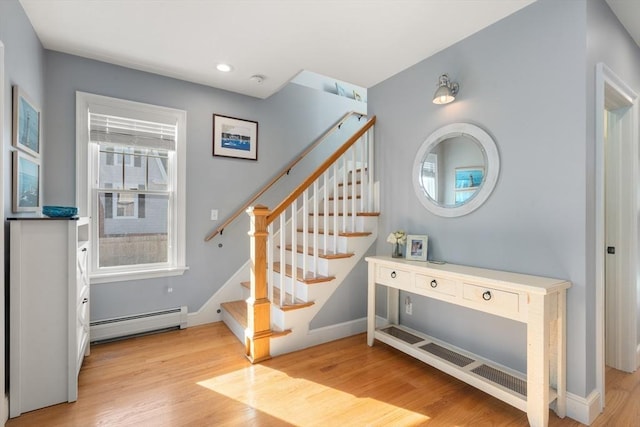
(214, 214)
(408, 306)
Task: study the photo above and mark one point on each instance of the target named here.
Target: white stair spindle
(354, 187)
(363, 171)
(370, 167)
(325, 219)
(270, 245)
(345, 192)
(283, 258)
(305, 228)
(314, 237)
(336, 203)
(294, 248)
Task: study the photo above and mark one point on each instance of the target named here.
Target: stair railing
(328, 196)
(283, 172)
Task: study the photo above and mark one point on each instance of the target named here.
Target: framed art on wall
(234, 137)
(26, 183)
(26, 123)
(417, 247)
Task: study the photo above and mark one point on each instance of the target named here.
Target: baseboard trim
(5, 410)
(584, 409)
(335, 332)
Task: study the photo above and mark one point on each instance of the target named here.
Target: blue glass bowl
(60, 211)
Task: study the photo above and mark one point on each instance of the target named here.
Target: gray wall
(288, 122)
(534, 222)
(24, 66)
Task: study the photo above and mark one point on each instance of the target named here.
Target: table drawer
(393, 277)
(492, 300)
(436, 284)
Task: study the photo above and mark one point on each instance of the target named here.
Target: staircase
(303, 250)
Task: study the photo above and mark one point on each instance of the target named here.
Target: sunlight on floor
(279, 395)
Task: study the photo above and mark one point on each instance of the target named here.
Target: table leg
(538, 361)
(371, 305)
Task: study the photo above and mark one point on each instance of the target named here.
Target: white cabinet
(539, 302)
(48, 310)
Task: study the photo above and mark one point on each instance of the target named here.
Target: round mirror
(456, 169)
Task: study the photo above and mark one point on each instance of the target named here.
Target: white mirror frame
(488, 146)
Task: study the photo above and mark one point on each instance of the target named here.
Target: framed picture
(26, 123)
(357, 96)
(26, 183)
(235, 138)
(469, 177)
(468, 181)
(417, 247)
(340, 90)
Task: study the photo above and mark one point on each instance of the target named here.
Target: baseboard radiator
(122, 327)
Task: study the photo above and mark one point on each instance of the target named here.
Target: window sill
(124, 276)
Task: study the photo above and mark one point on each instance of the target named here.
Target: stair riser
(233, 325)
(302, 290)
(362, 223)
(321, 268)
(341, 242)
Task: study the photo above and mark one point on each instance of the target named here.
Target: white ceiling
(357, 41)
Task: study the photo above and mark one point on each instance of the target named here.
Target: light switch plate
(214, 214)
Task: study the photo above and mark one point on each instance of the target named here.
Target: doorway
(617, 178)
(4, 408)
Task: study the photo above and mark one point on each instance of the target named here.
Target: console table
(539, 302)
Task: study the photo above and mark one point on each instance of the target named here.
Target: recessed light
(225, 68)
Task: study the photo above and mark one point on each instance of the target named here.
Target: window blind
(106, 129)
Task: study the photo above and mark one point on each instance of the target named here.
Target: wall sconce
(446, 91)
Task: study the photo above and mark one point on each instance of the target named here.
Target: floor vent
(128, 326)
(448, 355)
(400, 334)
(502, 378)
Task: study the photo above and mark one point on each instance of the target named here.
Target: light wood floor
(200, 377)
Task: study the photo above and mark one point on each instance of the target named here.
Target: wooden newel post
(258, 332)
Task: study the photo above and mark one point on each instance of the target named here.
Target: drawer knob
(393, 274)
(434, 284)
(84, 249)
(86, 300)
(486, 295)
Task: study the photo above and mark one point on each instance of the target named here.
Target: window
(130, 181)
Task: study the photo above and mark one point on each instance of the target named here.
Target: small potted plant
(397, 239)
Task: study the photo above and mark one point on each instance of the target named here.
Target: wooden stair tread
(342, 233)
(341, 184)
(331, 198)
(321, 254)
(306, 279)
(289, 304)
(349, 214)
(238, 310)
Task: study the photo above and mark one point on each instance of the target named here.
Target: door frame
(613, 93)
(4, 404)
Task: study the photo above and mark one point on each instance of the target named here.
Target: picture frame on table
(236, 138)
(417, 246)
(26, 183)
(27, 123)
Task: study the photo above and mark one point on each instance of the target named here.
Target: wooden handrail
(319, 171)
(284, 172)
